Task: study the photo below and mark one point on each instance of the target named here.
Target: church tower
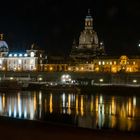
(88, 45)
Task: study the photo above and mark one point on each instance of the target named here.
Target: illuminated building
(89, 56)
(86, 56)
(88, 46)
(31, 60)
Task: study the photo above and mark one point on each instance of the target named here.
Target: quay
(83, 78)
(34, 130)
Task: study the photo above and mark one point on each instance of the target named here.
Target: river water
(94, 110)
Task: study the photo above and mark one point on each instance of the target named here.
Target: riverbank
(33, 130)
(111, 89)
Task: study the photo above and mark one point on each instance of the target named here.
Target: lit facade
(86, 56)
(88, 46)
(113, 65)
(31, 60)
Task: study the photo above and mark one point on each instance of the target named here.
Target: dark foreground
(31, 130)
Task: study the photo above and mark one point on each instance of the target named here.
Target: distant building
(31, 60)
(88, 47)
(86, 56)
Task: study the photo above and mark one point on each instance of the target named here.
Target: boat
(67, 88)
(9, 85)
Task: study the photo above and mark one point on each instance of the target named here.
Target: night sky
(54, 24)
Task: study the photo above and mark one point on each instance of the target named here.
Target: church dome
(3, 46)
(88, 37)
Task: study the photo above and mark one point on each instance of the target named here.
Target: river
(88, 110)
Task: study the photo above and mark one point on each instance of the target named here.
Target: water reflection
(96, 111)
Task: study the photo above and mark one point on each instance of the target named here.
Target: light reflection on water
(98, 111)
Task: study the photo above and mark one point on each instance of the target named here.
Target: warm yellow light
(69, 68)
(3, 68)
(101, 80)
(82, 68)
(11, 78)
(134, 81)
(114, 69)
(97, 69)
(82, 106)
(40, 79)
(19, 68)
(77, 68)
(51, 103)
(51, 68)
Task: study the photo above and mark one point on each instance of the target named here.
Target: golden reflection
(19, 105)
(45, 105)
(123, 111)
(77, 112)
(113, 109)
(97, 103)
(113, 122)
(113, 112)
(91, 104)
(51, 103)
(35, 101)
(3, 101)
(69, 104)
(134, 106)
(82, 105)
(129, 106)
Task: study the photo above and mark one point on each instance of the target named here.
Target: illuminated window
(32, 54)
(25, 55)
(115, 63)
(77, 68)
(134, 62)
(103, 62)
(15, 55)
(110, 63)
(51, 68)
(69, 68)
(99, 62)
(82, 68)
(19, 61)
(20, 55)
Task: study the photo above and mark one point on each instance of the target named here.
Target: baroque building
(88, 47)
(31, 60)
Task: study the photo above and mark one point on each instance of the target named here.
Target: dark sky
(54, 24)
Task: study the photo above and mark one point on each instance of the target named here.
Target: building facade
(88, 47)
(31, 60)
(88, 55)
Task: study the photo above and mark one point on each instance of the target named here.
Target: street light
(101, 80)
(134, 81)
(66, 78)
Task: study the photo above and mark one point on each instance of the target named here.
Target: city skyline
(54, 25)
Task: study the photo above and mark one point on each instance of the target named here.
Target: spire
(1, 36)
(89, 12)
(89, 21)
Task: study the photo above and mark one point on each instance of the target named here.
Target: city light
(11, 78)
(134, 81)
(66, 79)
(101, 80)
